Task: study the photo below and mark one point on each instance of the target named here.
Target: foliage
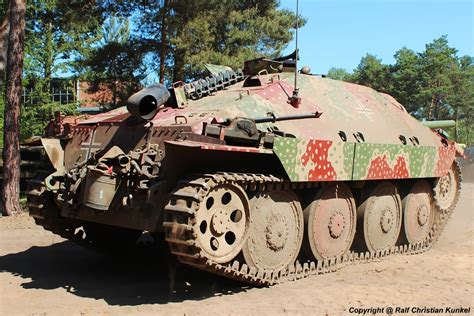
(173, 38)
(339, 74)
(462, 98)
(184, 35)
(116, 67)
(56, 33)
(35, 118)
(115, 29)
(436, 64)
(250, 32)
(3, 8)
(465, 131)
(407, 80)
(39, 107)
(372, 73)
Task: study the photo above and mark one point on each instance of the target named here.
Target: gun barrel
(439, 124)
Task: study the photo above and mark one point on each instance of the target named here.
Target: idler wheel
(446, 188)
(381, 216)
(275, 230)
(418, 213)
(330, 221)
(223, 222)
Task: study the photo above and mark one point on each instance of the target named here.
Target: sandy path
(41, 274)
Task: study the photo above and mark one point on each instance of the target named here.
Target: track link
(180, 226)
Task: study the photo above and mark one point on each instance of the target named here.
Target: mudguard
(55, 152)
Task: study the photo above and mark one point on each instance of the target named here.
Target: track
(180, 224)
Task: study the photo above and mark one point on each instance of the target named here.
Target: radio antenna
(295, 99)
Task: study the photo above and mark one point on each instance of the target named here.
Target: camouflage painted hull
(361, 135)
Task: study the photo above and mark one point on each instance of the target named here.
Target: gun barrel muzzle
(145, 103)
(439, 124)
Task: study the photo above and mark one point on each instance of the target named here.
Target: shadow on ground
(131, 278)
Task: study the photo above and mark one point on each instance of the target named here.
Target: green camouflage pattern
(357, 137)
(317, 160)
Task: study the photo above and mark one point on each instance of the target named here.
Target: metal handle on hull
(273, 118)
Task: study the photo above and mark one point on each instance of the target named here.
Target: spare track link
(180, 223)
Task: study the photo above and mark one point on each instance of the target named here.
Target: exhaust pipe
(145, 103)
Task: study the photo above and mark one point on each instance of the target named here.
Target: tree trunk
(48, 60)
(430, 112)
(178, 66)
(11, 142)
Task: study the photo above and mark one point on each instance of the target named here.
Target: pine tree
(117, 65)
(339, 74)
(406, 78)
(437, 62)
(372, 73)
(461, 98)
(56, 33)
(184, 35)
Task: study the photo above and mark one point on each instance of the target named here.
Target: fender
(219, 147)
(55, 153)
(328, 160)
(189, 157)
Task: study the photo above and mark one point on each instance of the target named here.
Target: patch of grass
(23, 202)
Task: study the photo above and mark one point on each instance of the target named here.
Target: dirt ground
(42, 274)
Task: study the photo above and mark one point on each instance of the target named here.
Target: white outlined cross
(88, 147)
(365, 111)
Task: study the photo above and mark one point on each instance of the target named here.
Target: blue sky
(339, 32)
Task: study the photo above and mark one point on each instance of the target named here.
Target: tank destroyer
(245, 178)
